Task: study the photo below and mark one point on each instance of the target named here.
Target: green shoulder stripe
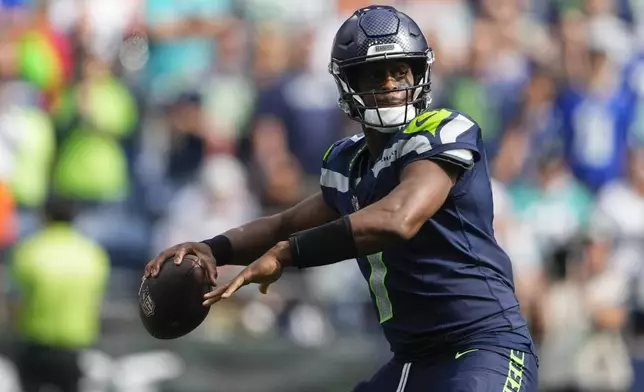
(428, 122)
(326, 154)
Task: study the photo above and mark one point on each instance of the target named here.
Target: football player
(410, 199)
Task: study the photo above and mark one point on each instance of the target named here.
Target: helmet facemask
(363, 106)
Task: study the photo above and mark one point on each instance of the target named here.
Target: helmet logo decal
(384, 48)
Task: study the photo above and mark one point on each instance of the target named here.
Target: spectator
(535, 124)
(225, 119)
(520, 243)
(614, 224)
(215, 201)
(27, 151)
(583, 349)
(296, 120)
(187, 136)
(483, 88)
(595, 119)
(607, 27)
(106, 115)
(58, 276)
(181, 44)
(554, 208)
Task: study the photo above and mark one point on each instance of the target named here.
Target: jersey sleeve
(442, 135)
(331, 182)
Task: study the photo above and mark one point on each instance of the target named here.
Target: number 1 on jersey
(378, 288)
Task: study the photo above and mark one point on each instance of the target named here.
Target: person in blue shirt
(594, 121)
(410, 199)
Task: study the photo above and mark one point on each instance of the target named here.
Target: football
(170, 303)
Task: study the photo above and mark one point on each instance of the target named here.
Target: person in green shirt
(60, 276)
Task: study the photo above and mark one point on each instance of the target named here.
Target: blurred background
(127, 126)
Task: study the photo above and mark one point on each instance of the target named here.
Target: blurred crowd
(162, 121)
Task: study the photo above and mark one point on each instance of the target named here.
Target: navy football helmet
(378, 34)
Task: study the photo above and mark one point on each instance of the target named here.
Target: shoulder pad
(338, 147)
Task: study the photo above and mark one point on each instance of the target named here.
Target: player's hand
(199, 249)
(263, 271)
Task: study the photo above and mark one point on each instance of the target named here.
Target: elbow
(402, 227)
(405, 230)
(386, 225)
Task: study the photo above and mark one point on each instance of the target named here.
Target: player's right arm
(253, 239)
(244, 244)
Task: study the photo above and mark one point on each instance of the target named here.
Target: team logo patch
(421, 121)
(147, 305)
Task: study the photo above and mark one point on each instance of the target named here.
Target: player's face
(393, 76)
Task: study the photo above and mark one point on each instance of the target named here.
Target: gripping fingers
(210, 267)
(152, 269)
(212, 276)
(146, 271)
(180, 255)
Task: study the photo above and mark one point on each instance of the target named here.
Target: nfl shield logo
(147, 305)
(354, 201)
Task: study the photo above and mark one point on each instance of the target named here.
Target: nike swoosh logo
(419, 122)
(458, 355)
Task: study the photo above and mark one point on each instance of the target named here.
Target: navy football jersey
(451, 285)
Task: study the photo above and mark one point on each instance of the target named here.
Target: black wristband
(323, 245)
(221, 248)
